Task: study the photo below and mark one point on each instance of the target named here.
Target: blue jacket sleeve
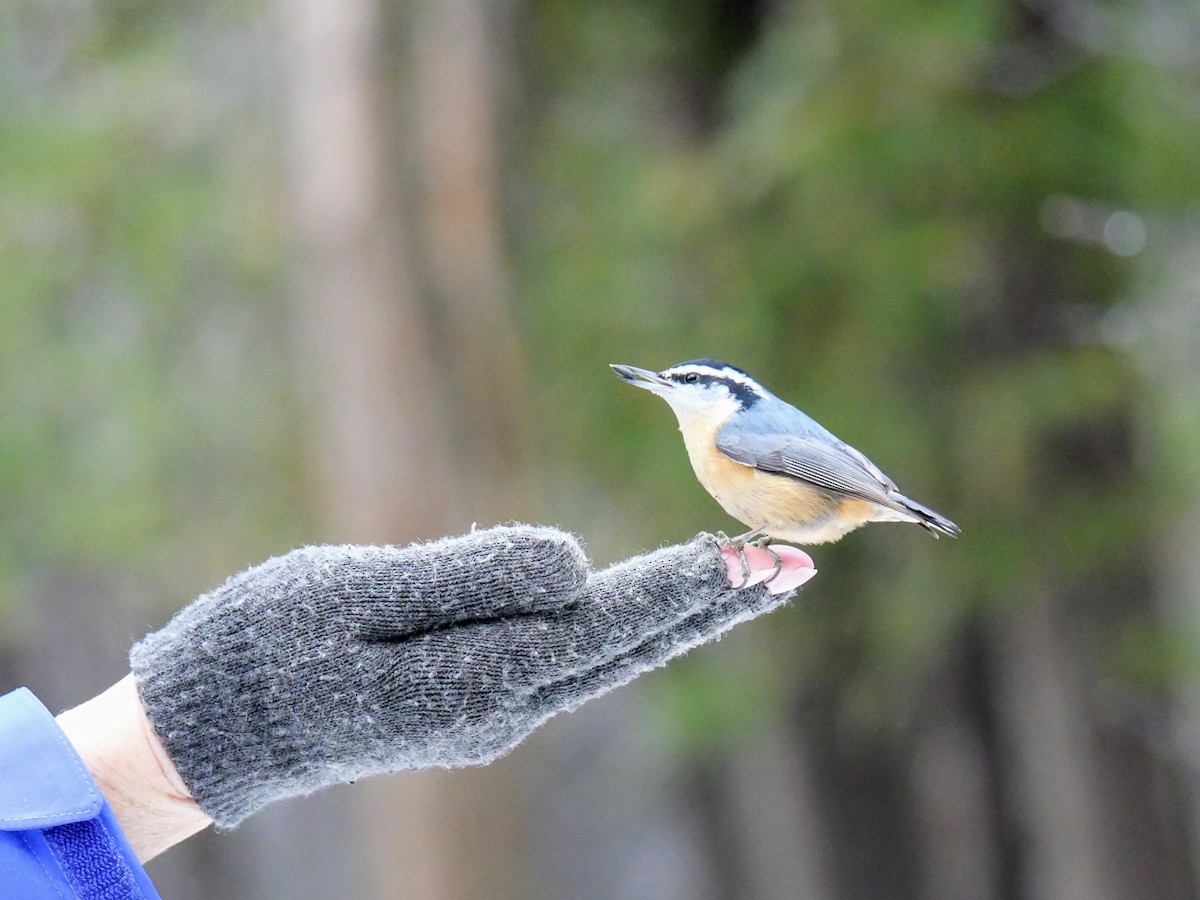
(58, 837)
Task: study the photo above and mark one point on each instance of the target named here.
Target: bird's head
(706, 388)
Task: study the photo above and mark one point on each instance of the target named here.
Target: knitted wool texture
(329, 664)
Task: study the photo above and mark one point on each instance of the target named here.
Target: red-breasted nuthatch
(771, 466)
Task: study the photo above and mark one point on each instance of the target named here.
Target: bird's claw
(738, 546)
(765, 544)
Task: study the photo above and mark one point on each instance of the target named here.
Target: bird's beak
(642, 378)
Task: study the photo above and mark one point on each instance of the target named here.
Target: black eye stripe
(745, 394)
(698, 378)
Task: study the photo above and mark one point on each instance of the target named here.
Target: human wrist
(125, 758)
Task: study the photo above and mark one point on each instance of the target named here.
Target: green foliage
(860, 229)
(147, 411)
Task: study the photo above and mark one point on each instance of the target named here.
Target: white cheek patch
(696, 409)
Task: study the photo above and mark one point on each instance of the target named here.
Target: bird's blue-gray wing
(832, 466)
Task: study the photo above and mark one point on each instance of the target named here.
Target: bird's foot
(753, 538)
(780, 568)
(739, 547)
(765, 544)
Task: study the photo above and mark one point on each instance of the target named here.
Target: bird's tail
(933, 522)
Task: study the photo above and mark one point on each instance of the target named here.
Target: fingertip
(558, 554)
(563, 552)
(782, 568)
(789, 580)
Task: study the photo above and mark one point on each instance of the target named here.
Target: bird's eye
(691, 378)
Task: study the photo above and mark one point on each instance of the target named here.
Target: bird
(769, 465)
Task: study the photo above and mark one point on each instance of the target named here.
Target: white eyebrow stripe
(728, 374)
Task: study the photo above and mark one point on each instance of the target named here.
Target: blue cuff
(58, 837)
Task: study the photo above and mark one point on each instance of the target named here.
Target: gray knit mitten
(332, 663)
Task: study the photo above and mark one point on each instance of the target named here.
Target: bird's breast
(752, 496)
(783, 507)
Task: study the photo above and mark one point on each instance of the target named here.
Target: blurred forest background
(302, 271)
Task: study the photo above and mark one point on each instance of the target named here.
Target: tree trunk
(415, 382)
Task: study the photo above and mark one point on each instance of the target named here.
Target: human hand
(332, 663)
